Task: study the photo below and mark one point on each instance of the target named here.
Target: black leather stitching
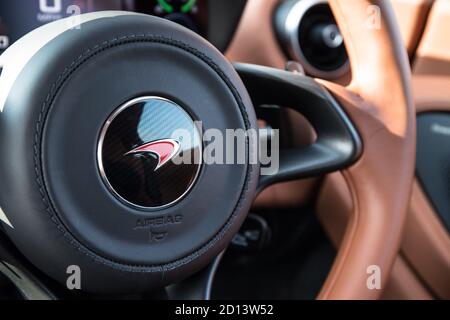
(40, 180)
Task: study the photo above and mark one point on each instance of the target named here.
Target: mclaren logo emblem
(164, 150)
(138, 148)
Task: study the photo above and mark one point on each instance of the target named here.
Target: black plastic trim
(224, 18)
(433, 161)
(338, 143)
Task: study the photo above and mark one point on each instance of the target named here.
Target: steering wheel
(86, 138)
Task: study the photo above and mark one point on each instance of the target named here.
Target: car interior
(358, 91)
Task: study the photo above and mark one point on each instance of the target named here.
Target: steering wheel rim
(379, 102)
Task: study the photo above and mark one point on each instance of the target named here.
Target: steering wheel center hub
(149, 153)
(113, 180)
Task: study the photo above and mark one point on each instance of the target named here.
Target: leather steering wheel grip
(379, 102)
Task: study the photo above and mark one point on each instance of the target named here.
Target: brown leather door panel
(433, 53)
(426, 242)
(411, 16)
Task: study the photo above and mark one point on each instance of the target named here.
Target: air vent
(309, 35)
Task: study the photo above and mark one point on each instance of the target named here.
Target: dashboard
(192, 14)
(215, 20)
